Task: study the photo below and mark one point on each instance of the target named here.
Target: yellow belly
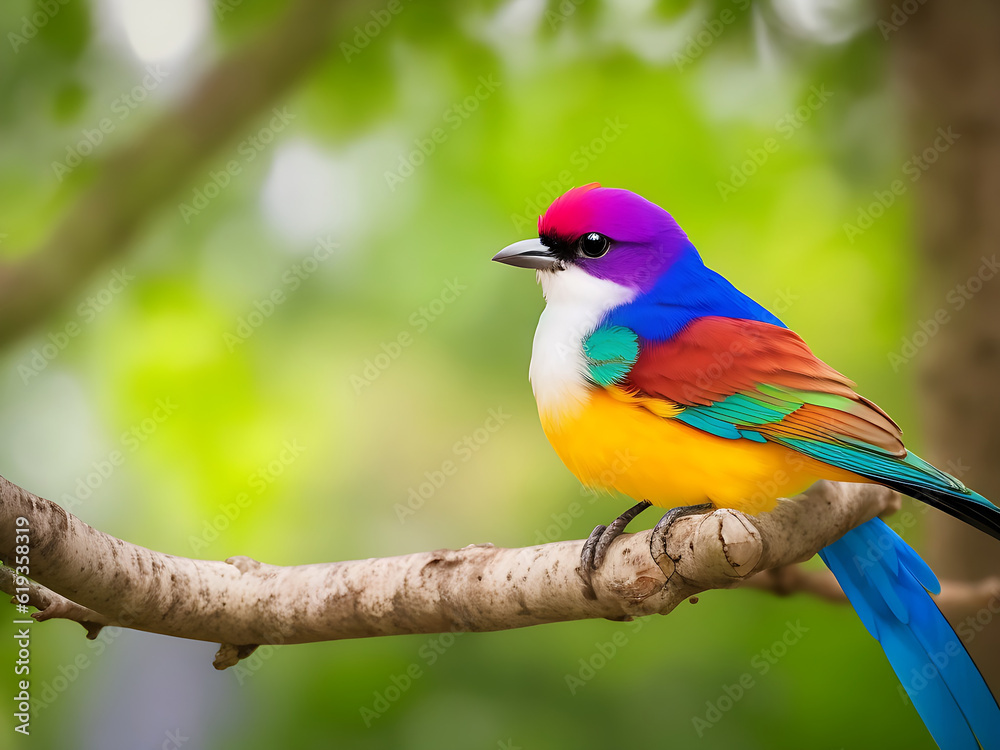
(615, 445)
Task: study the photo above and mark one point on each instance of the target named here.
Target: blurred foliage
(203, 425)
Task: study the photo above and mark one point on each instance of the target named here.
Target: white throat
(575, 304)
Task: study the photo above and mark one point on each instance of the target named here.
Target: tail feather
(967, 506)
(909, 474)
(888, 585)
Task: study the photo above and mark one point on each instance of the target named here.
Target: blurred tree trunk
(946, 66)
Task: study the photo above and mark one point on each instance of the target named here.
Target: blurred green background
(169, 388)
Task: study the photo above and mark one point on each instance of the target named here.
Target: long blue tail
(888, 585)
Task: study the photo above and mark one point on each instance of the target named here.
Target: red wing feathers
(714, 357)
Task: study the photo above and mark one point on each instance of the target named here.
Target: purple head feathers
(645, 239)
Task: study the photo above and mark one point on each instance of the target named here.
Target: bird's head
(607, 233)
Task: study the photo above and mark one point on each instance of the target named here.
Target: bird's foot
(658, 539)
(595, 549)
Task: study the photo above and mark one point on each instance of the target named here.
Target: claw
(595, 549)
(615, 530)
(590, 547)
(587, 566)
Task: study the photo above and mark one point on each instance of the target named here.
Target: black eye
(594, 245)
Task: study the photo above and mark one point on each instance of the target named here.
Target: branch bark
(135, 181)
(88, 576)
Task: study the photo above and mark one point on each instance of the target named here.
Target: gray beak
(528, 254)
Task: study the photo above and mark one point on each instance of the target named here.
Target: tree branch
(134, 181)
(51, 605)
(84, 575)
(958, 599)
(96, 579)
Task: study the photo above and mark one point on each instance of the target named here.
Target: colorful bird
(720, 405)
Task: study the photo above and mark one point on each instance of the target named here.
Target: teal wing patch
(736, 416)
(610, 351)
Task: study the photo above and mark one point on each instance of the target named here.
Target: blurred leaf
(68, 101)
(63, 26)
